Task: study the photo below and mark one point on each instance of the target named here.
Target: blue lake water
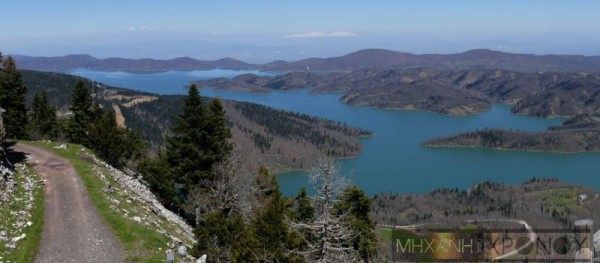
(167, 83)
(393, 159)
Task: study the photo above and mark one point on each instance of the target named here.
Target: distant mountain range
(69, 62)
(368, 58)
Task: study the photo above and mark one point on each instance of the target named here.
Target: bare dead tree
(230, 190)
(328, 236)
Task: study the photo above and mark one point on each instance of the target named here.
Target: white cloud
(318, 34)
(147, 28)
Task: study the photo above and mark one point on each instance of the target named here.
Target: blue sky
(265, 30)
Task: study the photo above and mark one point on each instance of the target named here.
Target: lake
(393, 160)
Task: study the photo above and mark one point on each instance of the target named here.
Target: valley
(280, 140)
(300, 131)
(391, 157)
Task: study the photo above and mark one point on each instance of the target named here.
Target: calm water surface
(393, 160)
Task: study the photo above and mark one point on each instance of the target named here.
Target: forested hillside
(544, 203)
(277, 139)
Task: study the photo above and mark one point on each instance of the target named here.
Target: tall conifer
(12, 99)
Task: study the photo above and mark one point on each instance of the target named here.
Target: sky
(265, 30)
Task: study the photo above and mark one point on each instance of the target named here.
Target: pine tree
(156, 172)
(199, 141)
(268, 236)
(12, 99)
(2, 130)
(220, 133)
(83, 114)
(187, 148)
(356, 207)
(113, 144)
(43, 117)
(218, 235)
(305, 212)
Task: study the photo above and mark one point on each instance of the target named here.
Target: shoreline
(505, 149)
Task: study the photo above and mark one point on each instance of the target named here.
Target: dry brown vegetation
(544, 203)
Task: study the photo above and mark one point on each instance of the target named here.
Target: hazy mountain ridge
(367, 58)
(65, 63)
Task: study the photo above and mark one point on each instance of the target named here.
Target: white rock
(29, 223)
(137, 219)
(182, 251)
(202, 259)
(16, 239)
(171, 245)
(61, 147)
(597, 242)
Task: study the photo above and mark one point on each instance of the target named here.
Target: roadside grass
(26, 249)
(141, 244)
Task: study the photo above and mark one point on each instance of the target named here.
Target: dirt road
(73, 228)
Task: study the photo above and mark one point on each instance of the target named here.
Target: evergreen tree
(43, 117)
(83, 114)
(305, 212)
(199, 142)
(12, 99)
(187, 148)
(157, 174)
(219, 235)
(220, 133)
(113, 144)
(266, 185)
(355, 206)
(268, 236)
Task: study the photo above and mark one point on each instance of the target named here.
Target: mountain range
(368, 58)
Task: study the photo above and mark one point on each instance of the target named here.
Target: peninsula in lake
(579, 134)
(443, 91)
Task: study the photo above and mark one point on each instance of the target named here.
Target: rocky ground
(17, 204)
(155, 230)
(134, 200)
